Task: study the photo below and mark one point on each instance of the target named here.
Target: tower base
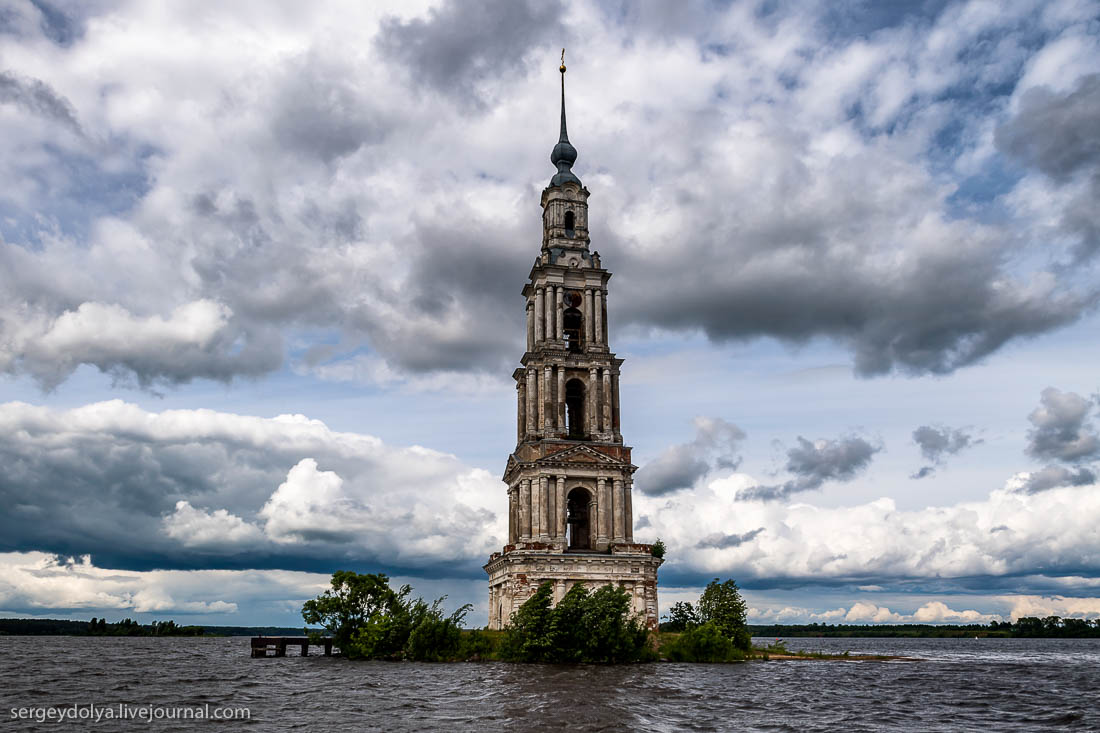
(516, 573)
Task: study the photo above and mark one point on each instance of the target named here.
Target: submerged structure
(570, 476)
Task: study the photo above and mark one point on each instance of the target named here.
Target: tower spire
(564, 154)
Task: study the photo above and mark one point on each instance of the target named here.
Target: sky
(260, 274)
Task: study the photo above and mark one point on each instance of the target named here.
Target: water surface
(959, 684)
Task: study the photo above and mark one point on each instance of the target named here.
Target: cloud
(938, 442)
(38, 98)
(462, 50)
(199, 489)
(1013, 537)
(722, 541)
(40, 581)
(365, 185)
(1052, 477)
(814, 463)
(1055, 133)
(863, 612)
(1061, 429)
(680, 466)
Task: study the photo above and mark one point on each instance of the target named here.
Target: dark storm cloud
(720, 541)
(1053, 477)
(935, 315)
(938, 442)
(1058, 134)
(1062, 429)
(680, 466)
(461, 45)
(319, 112)
(814, 463)
(195, 488)
(38, 98)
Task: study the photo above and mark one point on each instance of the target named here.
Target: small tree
(657, 549)
(357, 605)
(680, 617)
(528, 638)
(435, 638)
(722, 605)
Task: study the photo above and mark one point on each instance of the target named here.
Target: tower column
(531, 393)
(549, 313)
(559, 526)
(605, 402)
(597, 307)
(530, 310)
(546, 406)
(525, 510)
(540, 311)
(559, 313)
(521, 409)
(602, 501)
(561, 398)
(588, 316)
(544, 508)
(615, 406)
(512, 515)
(592, 401)
(628, 511)
(618, 512)
(536, 506)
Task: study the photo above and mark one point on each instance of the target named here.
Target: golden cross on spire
(562, 67)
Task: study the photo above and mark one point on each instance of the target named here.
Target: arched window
(576, 520)
(574, 408)
(571, 329)
(569, 224)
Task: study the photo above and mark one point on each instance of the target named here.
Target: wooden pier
(261, 645)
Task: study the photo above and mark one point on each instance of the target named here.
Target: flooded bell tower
(569, 478)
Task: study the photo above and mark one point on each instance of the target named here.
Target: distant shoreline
(1019, 630)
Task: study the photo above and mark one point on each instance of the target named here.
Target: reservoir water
(957, 685)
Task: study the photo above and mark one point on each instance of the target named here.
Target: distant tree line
(95, 627)
(1026, 627)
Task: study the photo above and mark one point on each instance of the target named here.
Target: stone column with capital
(561, 399)
(602, 514)
(521, 409)
(618, 511)
(540, 311)
(559, 313)
(536, 508)
(513, 534)
(525, 510)
(550, 328)
(540, 400)
(605, 402)
(544, 508)
(562, 509)
(588, 331)
(592, 401)
(628, 511)
(530, 326)
(597, 310)
(551, 508)
(549, 409)
(531, 393)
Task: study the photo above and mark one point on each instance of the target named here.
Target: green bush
(706, 643)
(583, 627)
(435, 638)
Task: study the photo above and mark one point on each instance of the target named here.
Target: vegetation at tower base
(657, 549)
(370, 620)
(585, 626)
(712, 631)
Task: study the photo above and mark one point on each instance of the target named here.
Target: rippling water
(959, 684)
